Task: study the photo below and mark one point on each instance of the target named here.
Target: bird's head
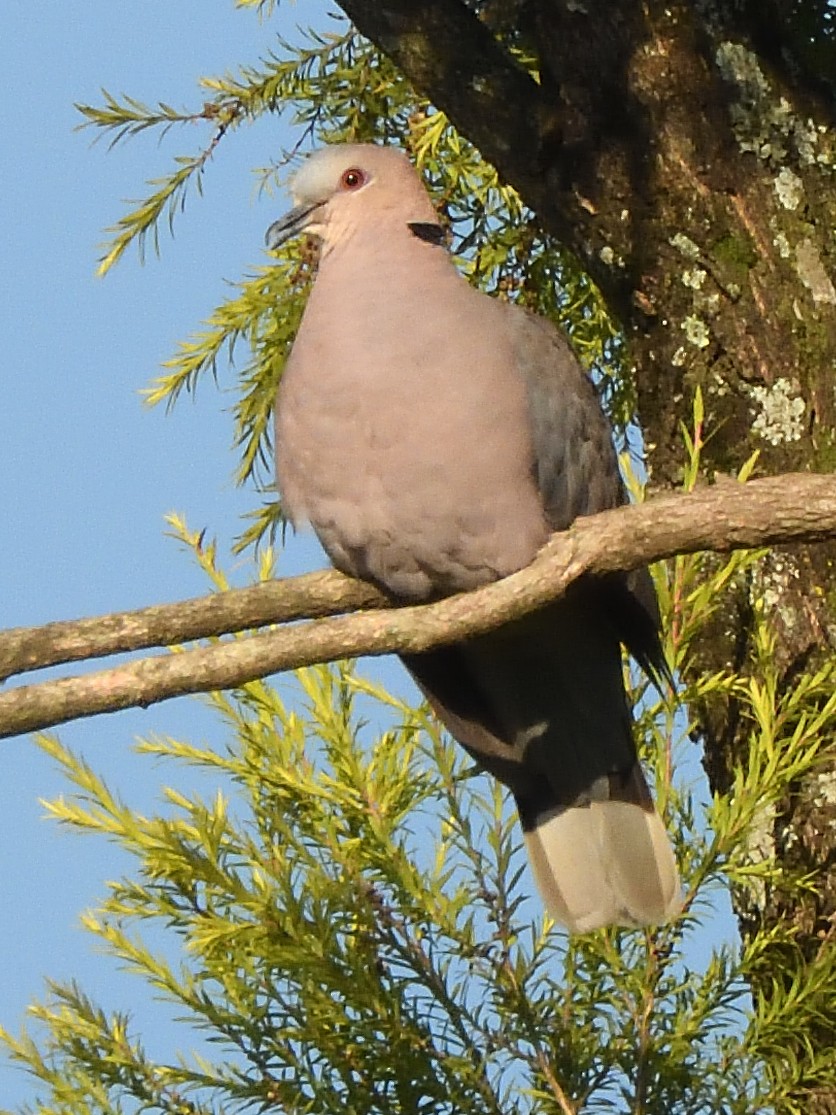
(349, 186)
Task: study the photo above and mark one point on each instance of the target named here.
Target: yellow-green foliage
(350, 911)
(356, 931)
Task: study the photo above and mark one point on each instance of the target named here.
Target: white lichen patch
(696, 331)
(764, 123)
(609, 257)
(693, 277)
(717, 386)
(780, 413)
(783, 246)
(711, 303)
(761, 842)
(772, 579)
(679, 357)
(685, 245)
(789, 188)
(824, 795)
(811, 271)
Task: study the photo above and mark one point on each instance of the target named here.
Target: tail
(606, 861)
(541, 705)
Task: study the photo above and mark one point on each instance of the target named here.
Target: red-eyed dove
(434, 437)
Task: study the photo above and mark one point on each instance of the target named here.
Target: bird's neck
(396, 260)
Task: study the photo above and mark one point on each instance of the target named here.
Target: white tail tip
(605, 863)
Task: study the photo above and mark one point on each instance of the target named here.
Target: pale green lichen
(780, 416)
(694, 277)
(764, 123)
(825, 795)
(741, 67)
(685, 245)
(762, 833)
(827, 142)
(806, 136)
(760, 848)
(696, 331)
(789, 188)
(783, 246)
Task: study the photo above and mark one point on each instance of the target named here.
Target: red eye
(352, 179)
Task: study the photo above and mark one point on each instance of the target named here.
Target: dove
(434, 437)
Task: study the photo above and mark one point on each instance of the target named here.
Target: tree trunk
(687, 163)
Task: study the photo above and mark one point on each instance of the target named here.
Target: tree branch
(451, 57)
(727, 516)
(307, 597)
(454, 59)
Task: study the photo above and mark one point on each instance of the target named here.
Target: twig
(307, 597)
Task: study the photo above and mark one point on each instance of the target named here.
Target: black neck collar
(432, 234)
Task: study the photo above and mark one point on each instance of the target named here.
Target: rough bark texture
(682, 152)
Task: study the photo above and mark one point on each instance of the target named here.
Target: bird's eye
(352, 179)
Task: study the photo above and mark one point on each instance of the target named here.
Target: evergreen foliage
(345, 922)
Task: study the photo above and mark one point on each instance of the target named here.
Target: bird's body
(434, 437)
(355, 456)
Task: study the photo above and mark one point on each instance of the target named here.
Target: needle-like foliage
(347, 923)
(348, 920)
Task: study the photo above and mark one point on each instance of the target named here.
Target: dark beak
(291, 224)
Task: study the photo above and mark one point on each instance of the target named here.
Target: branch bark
(723, 517)
(310, 596)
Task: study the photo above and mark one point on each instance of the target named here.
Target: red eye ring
(352, 179)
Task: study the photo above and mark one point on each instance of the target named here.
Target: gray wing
(577, 473)
(575, 462)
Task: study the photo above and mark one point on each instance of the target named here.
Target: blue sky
(88, 473)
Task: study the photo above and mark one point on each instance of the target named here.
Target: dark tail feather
(541, 705)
